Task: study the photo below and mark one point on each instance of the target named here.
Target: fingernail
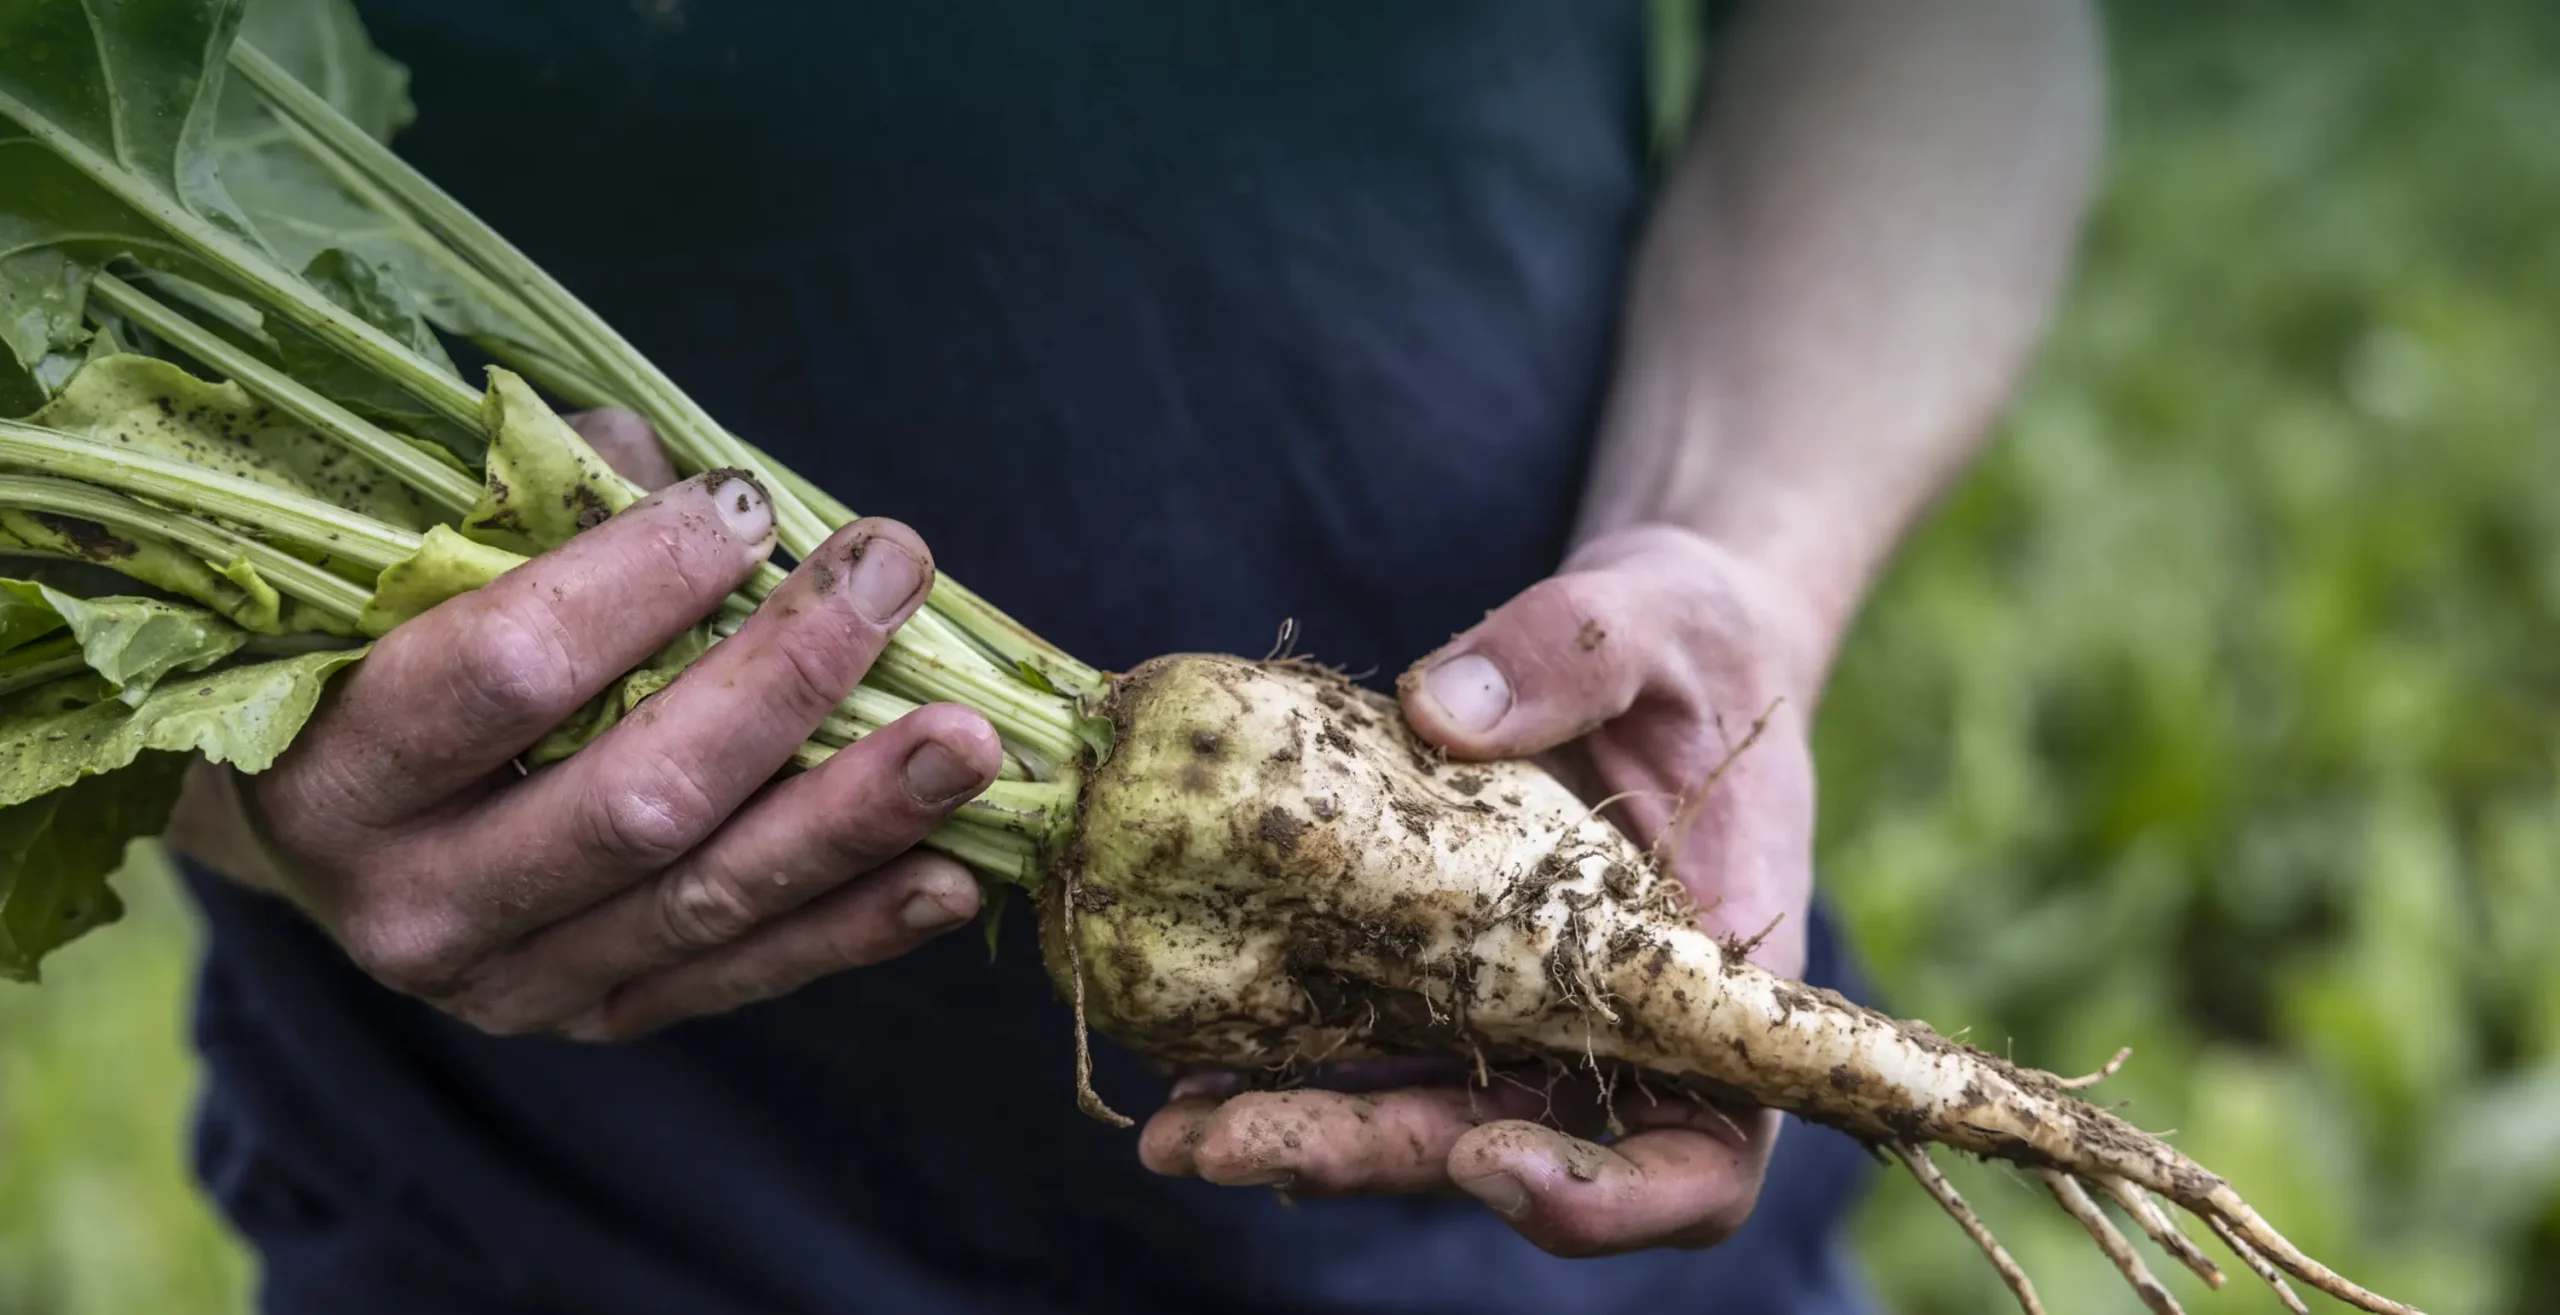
(930, 910)
(935, 774)
(884, 577)
(1500, 1192)
(1470, 689)
(745, 507)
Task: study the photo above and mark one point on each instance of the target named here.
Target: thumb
(1546, 667)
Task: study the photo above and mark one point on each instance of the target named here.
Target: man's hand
(655, 875)
(1639, 671)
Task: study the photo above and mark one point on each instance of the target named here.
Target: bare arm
(1844, 277)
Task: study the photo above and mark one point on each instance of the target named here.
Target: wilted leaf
(543, 484)
(446, 564)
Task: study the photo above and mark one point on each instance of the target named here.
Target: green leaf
(1098, 735)
(445, 565)
(57, 851)
(41, 292)
(994, 897)
(81, 778)
(156, 407)
(324, 46)
(544, 484)
(40, 663)
(107, 122)
(234, 589)
(1033, 676)
(127, 91)
(304, 207)
(134, 82)
(132, 642)
(25, 616)
(356, 286)
(243, 715)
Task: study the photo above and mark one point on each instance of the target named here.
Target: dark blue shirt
(1164, 322)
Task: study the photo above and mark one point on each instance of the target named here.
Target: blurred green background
(2214, 714)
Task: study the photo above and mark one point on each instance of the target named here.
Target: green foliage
(155, 407)
(105, 113)
(306, 207)
(543, 484)
(2215, 714)
(63, 832)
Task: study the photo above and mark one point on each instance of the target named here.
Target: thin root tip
(2237, 1220)
(1093, 1107)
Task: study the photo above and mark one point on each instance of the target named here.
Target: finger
(1170, 1141)
(661, 781)
(1660, 1187)
(1326, 1143)
(459, 691)
(627, 443)
(792, 844)
(910, 901)
(1558, 660)
(1166, 1143)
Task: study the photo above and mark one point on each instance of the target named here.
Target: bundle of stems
(228, 314)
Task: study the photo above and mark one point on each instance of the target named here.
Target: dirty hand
(657, 874)
(1639, 672)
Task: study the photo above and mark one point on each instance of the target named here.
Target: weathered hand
(1639, 671)
(655, 875)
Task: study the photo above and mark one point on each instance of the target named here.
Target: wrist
(210, 826)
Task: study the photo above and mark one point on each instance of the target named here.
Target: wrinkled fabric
(1164, 323)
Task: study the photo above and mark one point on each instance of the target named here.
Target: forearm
(1844, 277)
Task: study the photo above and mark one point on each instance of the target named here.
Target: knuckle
(1165, 1144)
(699, 909)
(513, 667)
(817, 670)
(649, 823)
(1255, 1136)
(415, 951)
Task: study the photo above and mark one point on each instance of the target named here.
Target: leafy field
(2217, 714)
